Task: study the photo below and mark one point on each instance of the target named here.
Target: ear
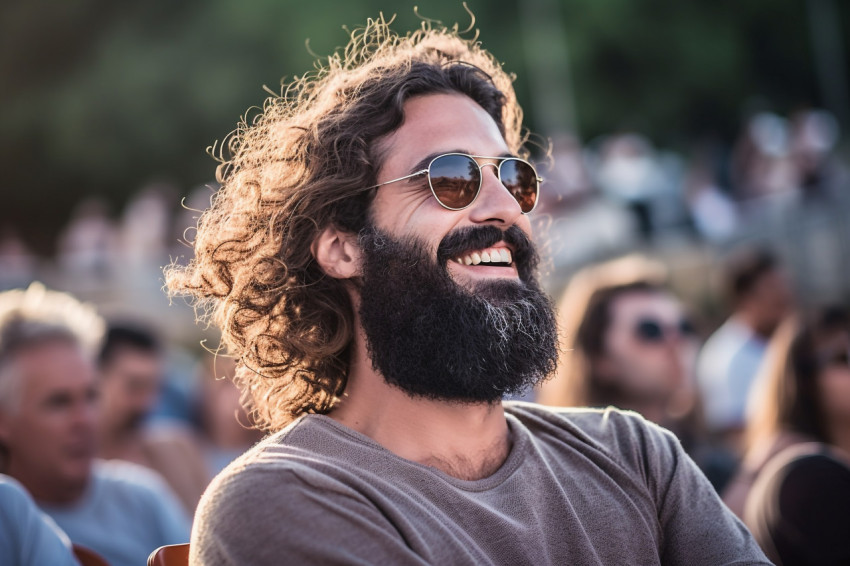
(337, 252)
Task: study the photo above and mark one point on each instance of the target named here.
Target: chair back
(170, 555)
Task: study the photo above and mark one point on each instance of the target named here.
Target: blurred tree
(99, 97)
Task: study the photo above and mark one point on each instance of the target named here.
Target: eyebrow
(423, 163)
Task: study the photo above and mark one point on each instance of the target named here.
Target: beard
(435, 339)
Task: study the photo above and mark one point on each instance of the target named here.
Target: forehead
(632, 306)
(439, 123)
(51, 367)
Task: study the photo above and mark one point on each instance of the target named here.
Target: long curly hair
(304, 162)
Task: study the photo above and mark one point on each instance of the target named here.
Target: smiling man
(369, 261)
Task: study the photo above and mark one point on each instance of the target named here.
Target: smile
(497, 257)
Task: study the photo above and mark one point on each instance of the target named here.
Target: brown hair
(583, 320)
(785, 396)
(299, 166)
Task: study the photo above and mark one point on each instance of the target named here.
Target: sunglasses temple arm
(422, 172)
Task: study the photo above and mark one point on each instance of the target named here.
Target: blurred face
(650, 349)
(50, 433)
(130, 384)
(834, 383)
(772, 298)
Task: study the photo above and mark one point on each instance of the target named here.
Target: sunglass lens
(455, 180)
(687, 328)
(649, 331)
(521, 180)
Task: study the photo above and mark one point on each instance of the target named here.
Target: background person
(131, 369)
(48, 432)
(761, 297)
(628, 342)
(794, 486)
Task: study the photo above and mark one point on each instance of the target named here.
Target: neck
(463, 440)
(48, 491)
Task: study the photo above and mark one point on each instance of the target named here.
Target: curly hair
(303, 163)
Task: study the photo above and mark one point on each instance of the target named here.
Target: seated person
(793, 489)
(370, 262)
(627, 341)
(48, 432)
(130, 364)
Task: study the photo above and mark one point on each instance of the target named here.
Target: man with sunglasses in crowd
(369, 261)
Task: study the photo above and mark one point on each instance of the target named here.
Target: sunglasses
(653, 331)
(839, 358)
(455, 179)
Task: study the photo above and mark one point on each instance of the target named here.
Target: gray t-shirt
(579, 486)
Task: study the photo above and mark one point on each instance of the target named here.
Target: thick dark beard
(435, 339)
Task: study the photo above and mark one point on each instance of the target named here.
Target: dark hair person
(794, 487)
(371, 263)
(300, 165)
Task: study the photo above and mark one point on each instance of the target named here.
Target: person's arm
(270, 517)
(27, 536)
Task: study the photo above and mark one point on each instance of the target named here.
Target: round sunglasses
(455, 179)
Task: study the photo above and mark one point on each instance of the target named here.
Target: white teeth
(496, 255)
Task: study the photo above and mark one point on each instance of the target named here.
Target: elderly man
(369, 261)
(48, 431)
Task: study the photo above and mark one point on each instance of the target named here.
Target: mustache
(460, 241)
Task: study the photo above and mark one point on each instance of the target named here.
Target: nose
(495, 204)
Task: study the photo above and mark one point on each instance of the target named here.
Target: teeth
(493, 255)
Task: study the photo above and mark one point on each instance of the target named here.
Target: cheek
(835, 392)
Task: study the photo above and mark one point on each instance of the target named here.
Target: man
(131, 373)
(368, 259)
(730, 359)
(48, 431)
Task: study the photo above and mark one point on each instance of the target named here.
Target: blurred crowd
(707, 294)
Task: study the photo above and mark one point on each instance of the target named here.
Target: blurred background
(678, 129)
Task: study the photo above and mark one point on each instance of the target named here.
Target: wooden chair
(170, 555)
(88, 557)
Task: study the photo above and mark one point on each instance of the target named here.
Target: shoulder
(805, 489)
(623, 435)
(812, 469)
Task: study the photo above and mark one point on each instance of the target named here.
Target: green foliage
(100, 98)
